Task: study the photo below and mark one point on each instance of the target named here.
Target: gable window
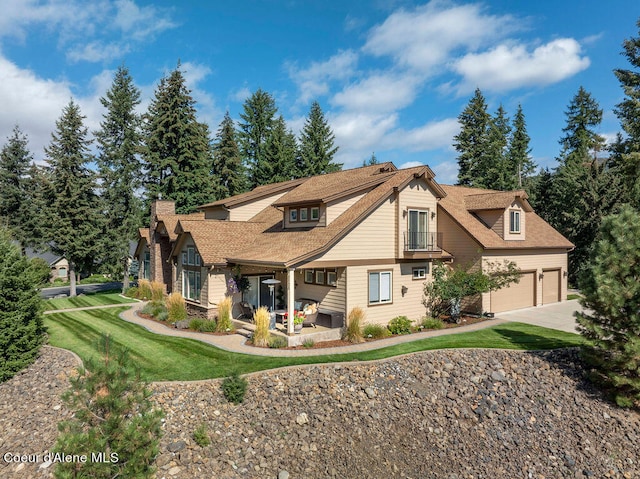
(304, 214)
(191, 257)
(380, 287)
(293, 215)
(420, 273)
(514, 221)
(315, 213)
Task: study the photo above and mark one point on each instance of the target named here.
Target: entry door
(418, 221)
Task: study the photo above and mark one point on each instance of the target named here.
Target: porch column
(291, 295)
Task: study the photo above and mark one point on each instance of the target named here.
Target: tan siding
(373, 238)
(456, 241)
(410, 305)
(217, 213)
(532, 260)
(416, 195)
(494, 219)
(336, 208)
(330, 298)
(217, 288)
(515, 206)
(247, 211)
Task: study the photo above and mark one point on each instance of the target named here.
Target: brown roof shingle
(171, 221)
(460, 201)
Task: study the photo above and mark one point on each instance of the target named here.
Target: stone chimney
(160, 246)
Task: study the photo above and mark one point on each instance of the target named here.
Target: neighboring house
(59, 264)
(365, 237)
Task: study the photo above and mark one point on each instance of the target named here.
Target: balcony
(422, 241)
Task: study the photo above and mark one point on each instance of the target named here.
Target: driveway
(554, 316)
(48, 293)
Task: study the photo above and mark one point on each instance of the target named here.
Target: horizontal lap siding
(330, 298)
(457, 241)
(336, 208)
(416, 195)
(248, 211)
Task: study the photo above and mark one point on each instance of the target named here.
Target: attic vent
(385, 169)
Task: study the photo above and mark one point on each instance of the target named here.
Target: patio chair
(247, 310)
(310, 314)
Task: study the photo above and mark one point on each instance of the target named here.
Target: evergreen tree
(75, 219)
(255, 129)
(177, 153)
(280, 155)
(583, 189)
(317, 145)
(227, 162)
(493, 171)
(539, 190)
(371, 161)
(611, 320)
(521, 165)
(626, 152)
(15, 209)
(40, 195)
(21, 327)
(113, 415)
(471, 142)
(119, 141)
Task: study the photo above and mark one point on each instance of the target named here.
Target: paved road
(48, 293)
(555, 316)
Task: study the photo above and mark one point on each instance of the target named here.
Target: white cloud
(424, 37)
(97, 51)
(140, 23)
(446, 172)
(207, 110)
(432, 135)
(378, 93)
(508, 67)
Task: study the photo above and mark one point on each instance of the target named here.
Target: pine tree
(317, 145)
(280, 155)
(493, 171)
(112, 415)
(520, 164)
(15, 209)
(227, 162)
(471, 142)
(119, 141)
(177, 153)
(76, 222)
(626, 152)
(21, 327)
(255, 129)
(611, 320)
(371, 161)
(40, 195)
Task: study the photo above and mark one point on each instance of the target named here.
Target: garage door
(550, 286)
(516, 296)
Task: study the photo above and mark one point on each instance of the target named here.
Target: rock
(176, 446)
(283, 475)
(302, 419)
(370, 393)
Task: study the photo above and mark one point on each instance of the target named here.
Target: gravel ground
(449, 414)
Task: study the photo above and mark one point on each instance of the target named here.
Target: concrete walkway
(555, 316)
(236, 343)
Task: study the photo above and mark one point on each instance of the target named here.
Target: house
(365, 237)
(58, 264)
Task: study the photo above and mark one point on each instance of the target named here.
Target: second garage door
(550, 286)
(516, 296)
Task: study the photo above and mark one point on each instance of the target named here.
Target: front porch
(317, 334)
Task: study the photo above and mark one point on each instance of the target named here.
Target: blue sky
(391, 76)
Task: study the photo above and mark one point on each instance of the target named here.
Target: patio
(317, 334)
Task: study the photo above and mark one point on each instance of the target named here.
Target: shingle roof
(218, 239)
(461, 201)
(495, 200)
(171, 221)
(143, 233)
(256, 193)
(276, 245)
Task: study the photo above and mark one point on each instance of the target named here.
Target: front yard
(167, 358)
(86, 300)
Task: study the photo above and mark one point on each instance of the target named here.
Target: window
(185, 257)
(308, 276)
(315, 213)
(319, 277)
(303, 214)
(62, 272)
(514, 221)
(420, 273)
(418, 230)
(332, 278)
(191, 256)
(191, 284)
(380, 287)
(146, 265)
(293, 215)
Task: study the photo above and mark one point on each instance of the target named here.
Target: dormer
(502, 212)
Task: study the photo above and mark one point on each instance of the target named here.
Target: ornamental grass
(224, 322)
(176, 307)
(353, 331)
(261, 319)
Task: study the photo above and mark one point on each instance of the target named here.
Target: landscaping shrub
(163, 316)
(196, 324)
(261, 319)
(112, 413)
(208, 326)
(309, 343)
(176, 307)
(375, 331)
(201, 436)
(157, 291)
(132, 292)
(224, 315)
(431, 323)
(144, 289)
(400, 325)
(277, 342)
(353, 331)
(234, 388)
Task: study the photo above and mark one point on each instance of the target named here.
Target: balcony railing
(422, 241)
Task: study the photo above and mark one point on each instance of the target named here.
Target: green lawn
(166, 358)
(91, 299)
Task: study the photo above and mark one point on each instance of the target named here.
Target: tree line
(86, 205)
